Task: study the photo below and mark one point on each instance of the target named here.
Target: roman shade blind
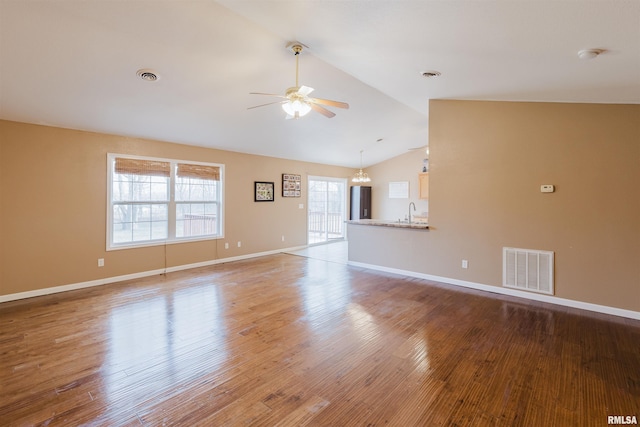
(199, 171)
(142, 167)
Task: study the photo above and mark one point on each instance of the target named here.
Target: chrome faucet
(414, 209)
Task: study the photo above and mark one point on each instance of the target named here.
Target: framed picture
(263, 191)
(291, 185)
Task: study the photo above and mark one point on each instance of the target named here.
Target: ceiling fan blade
(305, 90)
(263, 105)
(268, 94)
(329, 102)
(321, 110)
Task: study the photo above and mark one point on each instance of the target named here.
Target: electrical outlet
(239, 244)
(283, 237)
(226, 245)
(100, 262)
(465, 263)
(300, 205)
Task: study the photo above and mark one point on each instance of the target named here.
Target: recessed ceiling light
(147, 75)
(431, 73)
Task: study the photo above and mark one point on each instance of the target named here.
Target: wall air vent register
(528, 269)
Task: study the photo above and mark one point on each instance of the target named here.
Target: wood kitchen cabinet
(423, 185)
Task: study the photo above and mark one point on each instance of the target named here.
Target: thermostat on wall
(547, 188)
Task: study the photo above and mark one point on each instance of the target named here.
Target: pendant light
(360, 176)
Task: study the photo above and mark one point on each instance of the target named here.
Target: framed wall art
(263, 191)
(291, 185)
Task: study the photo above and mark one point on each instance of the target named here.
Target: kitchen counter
(388, 223)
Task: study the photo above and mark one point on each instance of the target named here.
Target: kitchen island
(388, 244)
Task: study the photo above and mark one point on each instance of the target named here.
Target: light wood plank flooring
(285, 340)
(337, 251)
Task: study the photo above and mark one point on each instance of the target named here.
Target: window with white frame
(152, 201)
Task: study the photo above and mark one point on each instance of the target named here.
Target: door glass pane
(327, 207)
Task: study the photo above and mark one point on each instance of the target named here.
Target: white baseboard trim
(115, 279)
(74, 286)
(495, 289)
(506, 291)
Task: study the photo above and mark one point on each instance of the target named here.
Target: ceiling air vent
(430, 74)
(147, 75)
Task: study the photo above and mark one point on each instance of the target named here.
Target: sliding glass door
(327, 201)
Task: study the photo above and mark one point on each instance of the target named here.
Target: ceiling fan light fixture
(296, 108)
(297, 103)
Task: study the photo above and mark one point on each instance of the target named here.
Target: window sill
(146, 244)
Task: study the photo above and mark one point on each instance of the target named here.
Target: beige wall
(53, 207)
(487, 162)
(404, 168)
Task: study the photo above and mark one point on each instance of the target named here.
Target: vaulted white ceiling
(72, 64)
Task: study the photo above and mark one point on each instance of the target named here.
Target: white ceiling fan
(297, 101)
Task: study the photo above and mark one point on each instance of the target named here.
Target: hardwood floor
(291, 341)
(337, 251)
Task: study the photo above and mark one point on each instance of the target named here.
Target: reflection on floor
(294, 341)
(333, 251)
